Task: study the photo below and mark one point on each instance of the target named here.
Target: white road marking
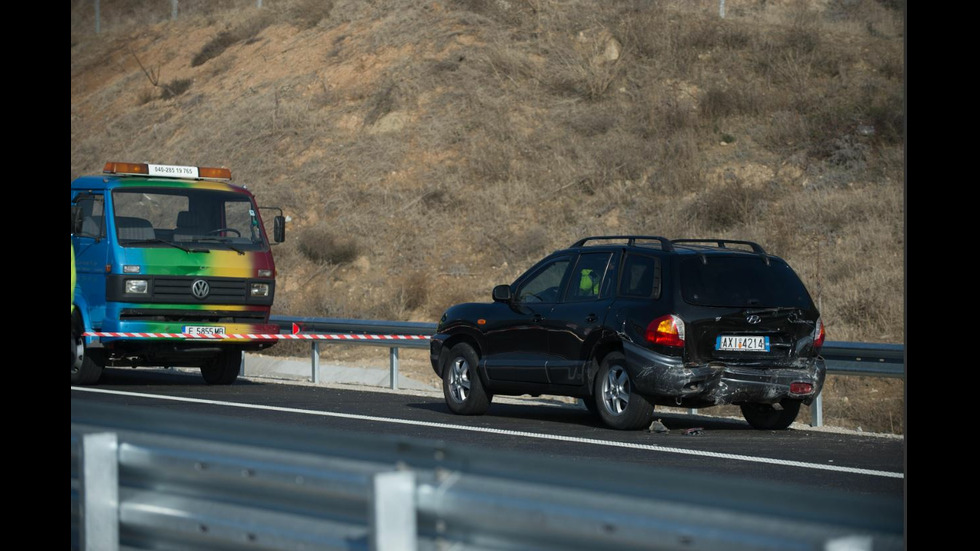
(488, 430)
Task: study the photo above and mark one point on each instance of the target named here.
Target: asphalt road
(846, 462)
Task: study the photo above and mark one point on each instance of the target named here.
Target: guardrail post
(100, 492)
(173, 10)
(393, 515)
(816, 411)
(692, 411)
(315, 362)
(393, 366)
(98, 17)
(241, 366)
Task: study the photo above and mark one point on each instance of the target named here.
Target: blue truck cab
(172, 267)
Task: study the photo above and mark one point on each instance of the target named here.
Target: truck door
(91, 255)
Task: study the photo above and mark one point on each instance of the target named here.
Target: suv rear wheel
(619, 405)
(461, 384)
(767, 417)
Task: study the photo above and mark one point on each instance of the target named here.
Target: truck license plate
(731, 343)
(199, 330)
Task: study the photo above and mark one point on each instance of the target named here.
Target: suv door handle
(591, 318)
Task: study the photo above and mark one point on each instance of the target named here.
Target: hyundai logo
(200, 288)
(751, 319)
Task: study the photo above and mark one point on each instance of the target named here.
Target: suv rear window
(741, 281)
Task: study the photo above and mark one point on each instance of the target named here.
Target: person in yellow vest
(588, 283)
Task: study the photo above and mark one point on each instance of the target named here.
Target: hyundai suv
(628, 322)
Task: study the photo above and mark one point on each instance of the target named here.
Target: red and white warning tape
(269, 337)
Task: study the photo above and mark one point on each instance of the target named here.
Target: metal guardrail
(842, 357)
(149, 478)
(866, 359)
(859, 359)
(368, 327)
(342, 325)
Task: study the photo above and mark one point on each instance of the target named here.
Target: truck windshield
(187, 218)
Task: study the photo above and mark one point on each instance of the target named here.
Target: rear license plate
(731, 343)
(199, 330)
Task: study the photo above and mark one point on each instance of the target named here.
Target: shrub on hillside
(321, 245)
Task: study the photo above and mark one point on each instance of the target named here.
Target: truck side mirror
(279, 229)
(76, 219)
(501, 293)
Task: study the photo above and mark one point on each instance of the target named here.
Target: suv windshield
(740, 282)
(183, 217)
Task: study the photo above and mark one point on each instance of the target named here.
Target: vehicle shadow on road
(157, 377)
(573, 415)
(565, 415)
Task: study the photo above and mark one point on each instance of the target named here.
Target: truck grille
(221, 290)
(180, 290)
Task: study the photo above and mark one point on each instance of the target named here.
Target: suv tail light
(819, 335)
(801, 389)
(666, 331)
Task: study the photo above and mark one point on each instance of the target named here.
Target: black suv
(626, 322)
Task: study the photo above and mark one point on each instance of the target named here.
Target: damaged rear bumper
(667, 380)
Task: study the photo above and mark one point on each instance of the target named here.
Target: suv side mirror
(76, 219)
(501, 293)
(279, 229)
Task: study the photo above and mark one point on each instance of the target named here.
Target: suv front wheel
(767, 417)
(461, 384)
(619, 405)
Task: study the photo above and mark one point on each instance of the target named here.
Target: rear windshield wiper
(163, 241)
(773, 310)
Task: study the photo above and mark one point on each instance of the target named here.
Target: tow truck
(174, 269)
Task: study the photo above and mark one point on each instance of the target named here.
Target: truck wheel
(766, 417)
(461, 384)
(86, 363)
(223, 368)
(619, 405)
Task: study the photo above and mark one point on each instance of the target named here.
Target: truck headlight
(260, 289)
(137, 286)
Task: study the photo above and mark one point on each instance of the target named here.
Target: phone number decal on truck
(171, 171)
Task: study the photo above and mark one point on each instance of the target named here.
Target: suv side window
(545, 285)
(641, 277)
(587, 277)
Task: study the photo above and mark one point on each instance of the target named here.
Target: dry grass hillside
(426, 151)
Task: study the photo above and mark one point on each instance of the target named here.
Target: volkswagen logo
(753, 319)
(200, 288)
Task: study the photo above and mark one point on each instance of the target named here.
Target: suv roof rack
(723, 243)
(665, 243)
